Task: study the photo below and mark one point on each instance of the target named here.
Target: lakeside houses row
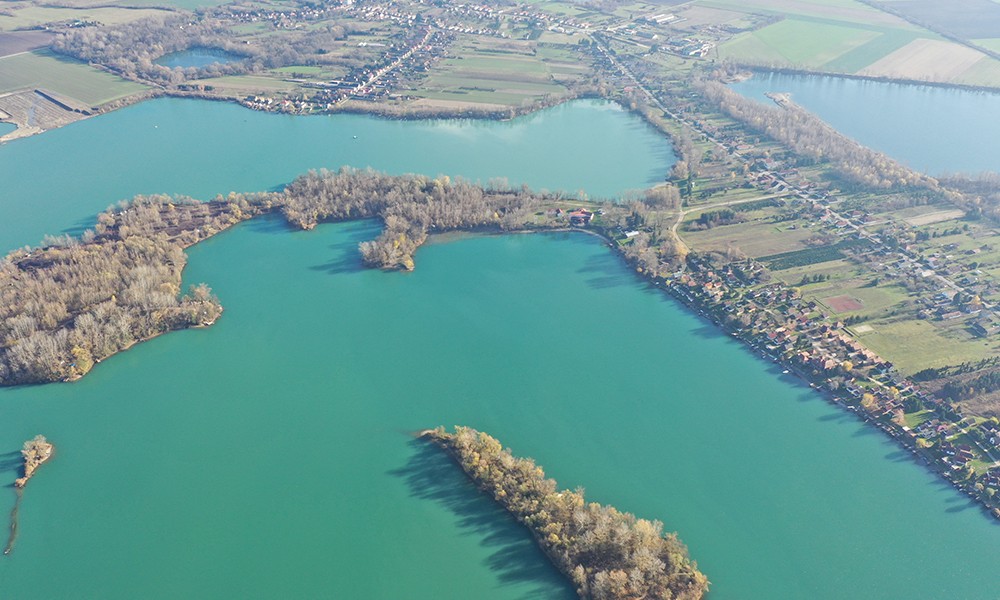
(775, 321)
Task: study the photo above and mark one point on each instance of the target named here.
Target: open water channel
(269, 455)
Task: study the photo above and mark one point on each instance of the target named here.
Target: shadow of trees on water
(431, 475)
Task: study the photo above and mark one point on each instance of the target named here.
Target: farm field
(33, 16)
(22, 41)
(127, 4)
(74, 79)
(842, 36)
(498, 72)
(753, 239)
(923, 58)
(966, 19)
(247, 84)
(989, 43)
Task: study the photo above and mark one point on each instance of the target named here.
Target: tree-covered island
(607, 554)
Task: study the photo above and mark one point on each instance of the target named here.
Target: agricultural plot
(809, 256)
(798, 42)
(755, 239)
(990, 43)
(34, 16)
(924, 58)
(842, 36)
(882, 45)
(182, 4)
(966, 19)
(833, 272)
(497, 74)
(935, 216)
(23, 41)
(247, 84)
(839, 11)
(985, 73)
(69, 78)
(913, 345)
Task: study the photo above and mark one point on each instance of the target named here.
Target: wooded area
(608, 554)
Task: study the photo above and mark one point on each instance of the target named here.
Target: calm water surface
(269, 456)
(932, 129)
(58, 181)
(197, 58)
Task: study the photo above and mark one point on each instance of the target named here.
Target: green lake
(270, 455)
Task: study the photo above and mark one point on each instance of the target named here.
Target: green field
(33, 16)
(838, 36)
(244, 84)
(914, 345)
(499, 73)
(990, 44)
(883, 45)
(801, 42)
(77, 80)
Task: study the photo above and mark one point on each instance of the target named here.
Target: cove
(196, 58)
(269, 455)
(932, 129)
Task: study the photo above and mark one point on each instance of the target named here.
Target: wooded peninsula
(73, 302)
(607, 554)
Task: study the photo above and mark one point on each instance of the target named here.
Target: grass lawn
(914, 345)
(837, 270)
(913, 420)
(71, 78)
(754, 239)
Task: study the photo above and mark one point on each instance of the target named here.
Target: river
(932, 129)
(270, 456)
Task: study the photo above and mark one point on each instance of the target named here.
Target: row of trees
(813, 140)
(608, 554)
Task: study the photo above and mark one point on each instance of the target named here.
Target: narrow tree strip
(608, 555)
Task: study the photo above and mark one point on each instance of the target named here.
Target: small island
(607, 554)
(35, 452)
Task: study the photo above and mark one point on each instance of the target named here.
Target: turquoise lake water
(270, 456)
(932, 129)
